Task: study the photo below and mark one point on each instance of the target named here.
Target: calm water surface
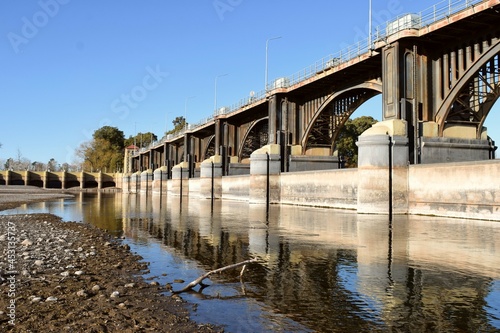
(322, 270)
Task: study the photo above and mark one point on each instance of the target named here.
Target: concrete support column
(265, 167)
(273, 111)
(180, 179)
(211, 177)
(45, 179)
(26, 178)
(151, 159)
(99, 180)
(160, 180)
(187, 146)
(126, 183)
(146, 181)
(383, 169)
(140, 162)
(166, 154)
(135, 182)
(7, 177)
(63, 180)
(217, 135)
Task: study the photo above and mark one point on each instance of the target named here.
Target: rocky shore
(72, 277)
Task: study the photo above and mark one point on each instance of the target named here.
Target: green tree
(52, 165)
(179, 124)
(112, 135)
(141, 139)
(103, 153)
(346, 143)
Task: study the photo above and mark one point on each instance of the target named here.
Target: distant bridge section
(61, 180)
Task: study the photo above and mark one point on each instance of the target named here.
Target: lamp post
(267, 46)
(370, 25)
(215, 93)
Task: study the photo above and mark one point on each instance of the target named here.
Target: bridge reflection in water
(323, 270)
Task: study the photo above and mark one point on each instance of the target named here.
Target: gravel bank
(72, 277)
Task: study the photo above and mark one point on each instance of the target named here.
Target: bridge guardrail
(422, 19)
(426, 17)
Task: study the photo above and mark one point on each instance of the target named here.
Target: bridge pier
(135, 182)
(180, 179)
(63, 180)
(383, 169)
(458, 145)
(211, 177)
(126, 183)
(265, 167)
(146, 181)
(160, 181)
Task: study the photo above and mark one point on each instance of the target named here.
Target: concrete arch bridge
(61, 180)
(438, 75)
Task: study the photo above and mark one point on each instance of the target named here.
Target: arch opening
(257, 137)
(332, 116)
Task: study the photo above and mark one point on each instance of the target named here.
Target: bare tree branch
(199, 280)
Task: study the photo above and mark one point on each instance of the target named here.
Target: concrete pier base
(160, 180)
(211, 172)
(180, 179)
(126, 183)
(135, 182)
(383, 169)
(146, 181)
(265, 167)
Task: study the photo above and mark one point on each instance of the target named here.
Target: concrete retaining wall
(236, 188)
(328, 188)
(466, 189)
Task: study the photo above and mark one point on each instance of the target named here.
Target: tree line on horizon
(105, 152)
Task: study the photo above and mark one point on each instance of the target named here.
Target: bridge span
(61, 180)
(437, 72)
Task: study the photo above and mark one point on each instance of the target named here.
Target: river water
(321, 270)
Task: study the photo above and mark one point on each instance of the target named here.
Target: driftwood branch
(199, 280)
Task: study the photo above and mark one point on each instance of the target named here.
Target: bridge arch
(255, 137)
(210, 148)
(474, 94)
(336, 109)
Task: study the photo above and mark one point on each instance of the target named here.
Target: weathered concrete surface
(211, 168)
(265, 166)
(328, 188)
(467, 190)
(146, 181)
(160, 179)
(236, 188)
(382, 160)
(442, 150)
(179, 185)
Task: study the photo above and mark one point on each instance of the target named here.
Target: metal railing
(422, 19)
(426, 17)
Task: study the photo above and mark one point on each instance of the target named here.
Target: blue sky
(70, 67)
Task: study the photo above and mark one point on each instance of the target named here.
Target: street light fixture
(215, 94)
(370, 25)
(267, 46)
